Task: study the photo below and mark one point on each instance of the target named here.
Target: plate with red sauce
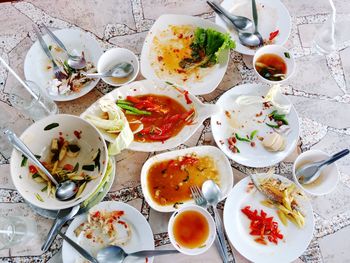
(126, 227)
(169, 115)
(280, 243)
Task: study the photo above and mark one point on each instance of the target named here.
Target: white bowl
(208, 242)
(221, 161)
(114, 56)
(38, 141)
(279, 51)
(137, 88)
(328, 179)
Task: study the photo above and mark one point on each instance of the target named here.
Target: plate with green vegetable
(38, 67)
(257, 127)
(188, 51)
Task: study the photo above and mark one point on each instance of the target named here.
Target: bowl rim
(47, 205)
(110, 52)
(211, 235)
(311, 153)
(263, 50)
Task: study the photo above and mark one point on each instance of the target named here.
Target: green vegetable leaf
(238, 137)
(24, 161)
(51, 126)
(252, 135)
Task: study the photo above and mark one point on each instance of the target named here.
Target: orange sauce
(158, 124)
(169, 181)
(191, 229)
(271, 67)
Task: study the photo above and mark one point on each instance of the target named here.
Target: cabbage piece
(115, 123)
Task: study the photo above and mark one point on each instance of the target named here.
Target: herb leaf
(238, 137)
(24, 161)
(51, 126)
(252, 135)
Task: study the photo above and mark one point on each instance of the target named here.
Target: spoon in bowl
(308, 173)
(120, 70)
(252, 39)
(115, 254)
(65, 190)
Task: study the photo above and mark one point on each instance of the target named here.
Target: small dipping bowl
(114, 56)
(282, 53)
(328, 179)
(204, 246)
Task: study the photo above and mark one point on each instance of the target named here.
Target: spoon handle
(78, 248)
(20, 146)
(151, 253)
(221, 11)
(255, 15)
(93, 75)
(220, 231)
(336, 157)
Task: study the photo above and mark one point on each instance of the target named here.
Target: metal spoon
(308, 173)
(252, 39)
(65, 190)
(116, 254)
(212, 194)
(120, 70)
(74, 61)
(241, 23)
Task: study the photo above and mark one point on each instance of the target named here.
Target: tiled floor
(320, 92)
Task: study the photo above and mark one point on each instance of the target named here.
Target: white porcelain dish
(211, 236)
(329, 178)
(272, 16)
(256, 156)
(114, 56)
(197, 87)
(36, 62)
(295, 241)
(141, 234)
(38, 141)
(281, 52)
(203, 111)
(221, 161)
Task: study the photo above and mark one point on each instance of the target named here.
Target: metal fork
(201, 201)
(56, 70)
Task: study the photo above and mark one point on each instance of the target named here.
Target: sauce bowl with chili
(191, 230)
(273, 64)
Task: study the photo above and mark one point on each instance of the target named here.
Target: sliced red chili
(132, 99)
(68, 167)
(187, 97)
(32, 169)
(273, 35)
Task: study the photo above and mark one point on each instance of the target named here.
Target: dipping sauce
(161, 116)
(191, 229)
(271, 67)
(169, 181)
(315, 183)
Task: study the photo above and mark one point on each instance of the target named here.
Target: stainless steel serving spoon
(308, 173)
(115, 254)
(74, 61)
(120, 70)
(65, 190)
(252, 39)
(241, 23)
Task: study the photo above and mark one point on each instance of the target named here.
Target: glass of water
(15, 230)
(35, 102)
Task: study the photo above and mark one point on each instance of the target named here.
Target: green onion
(89, 167)
(37, 156)
(76, 168)
(132, 113)
(286, 54)
(24, 161)
(186, 179)
(39, 197)
(124, 102)
(44, 189)
(169, 83)
(238, 151)
(252, 135)
(241, 138)
(133, 109)
(97, 160)
(35, 175)
(51, 126)
(272, 125)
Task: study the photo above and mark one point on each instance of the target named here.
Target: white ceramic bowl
(208, 242)
(328, 179)
(38, 141)
(114, 56)
(221, 161)
(279, 51)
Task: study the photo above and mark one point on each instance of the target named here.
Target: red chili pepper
(157, 137)
(186, 114)
(77, 134)
(132, 99)
(189, 160)
(32, 169)
(273, 35)
(68, 167)
(187, 98)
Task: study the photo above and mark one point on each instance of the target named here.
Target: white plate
(295, 242)
(251, 156)
(208, 83)
(272, 16)
(38, 141)
(36, 61)
(221, 161)
(149, 87)
(141, 239)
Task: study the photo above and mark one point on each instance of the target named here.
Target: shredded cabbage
(274, 96)
(116, 123)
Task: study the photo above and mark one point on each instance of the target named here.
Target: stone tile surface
(319, 91)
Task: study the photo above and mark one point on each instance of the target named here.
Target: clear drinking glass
(15, 230)
(36, 103)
